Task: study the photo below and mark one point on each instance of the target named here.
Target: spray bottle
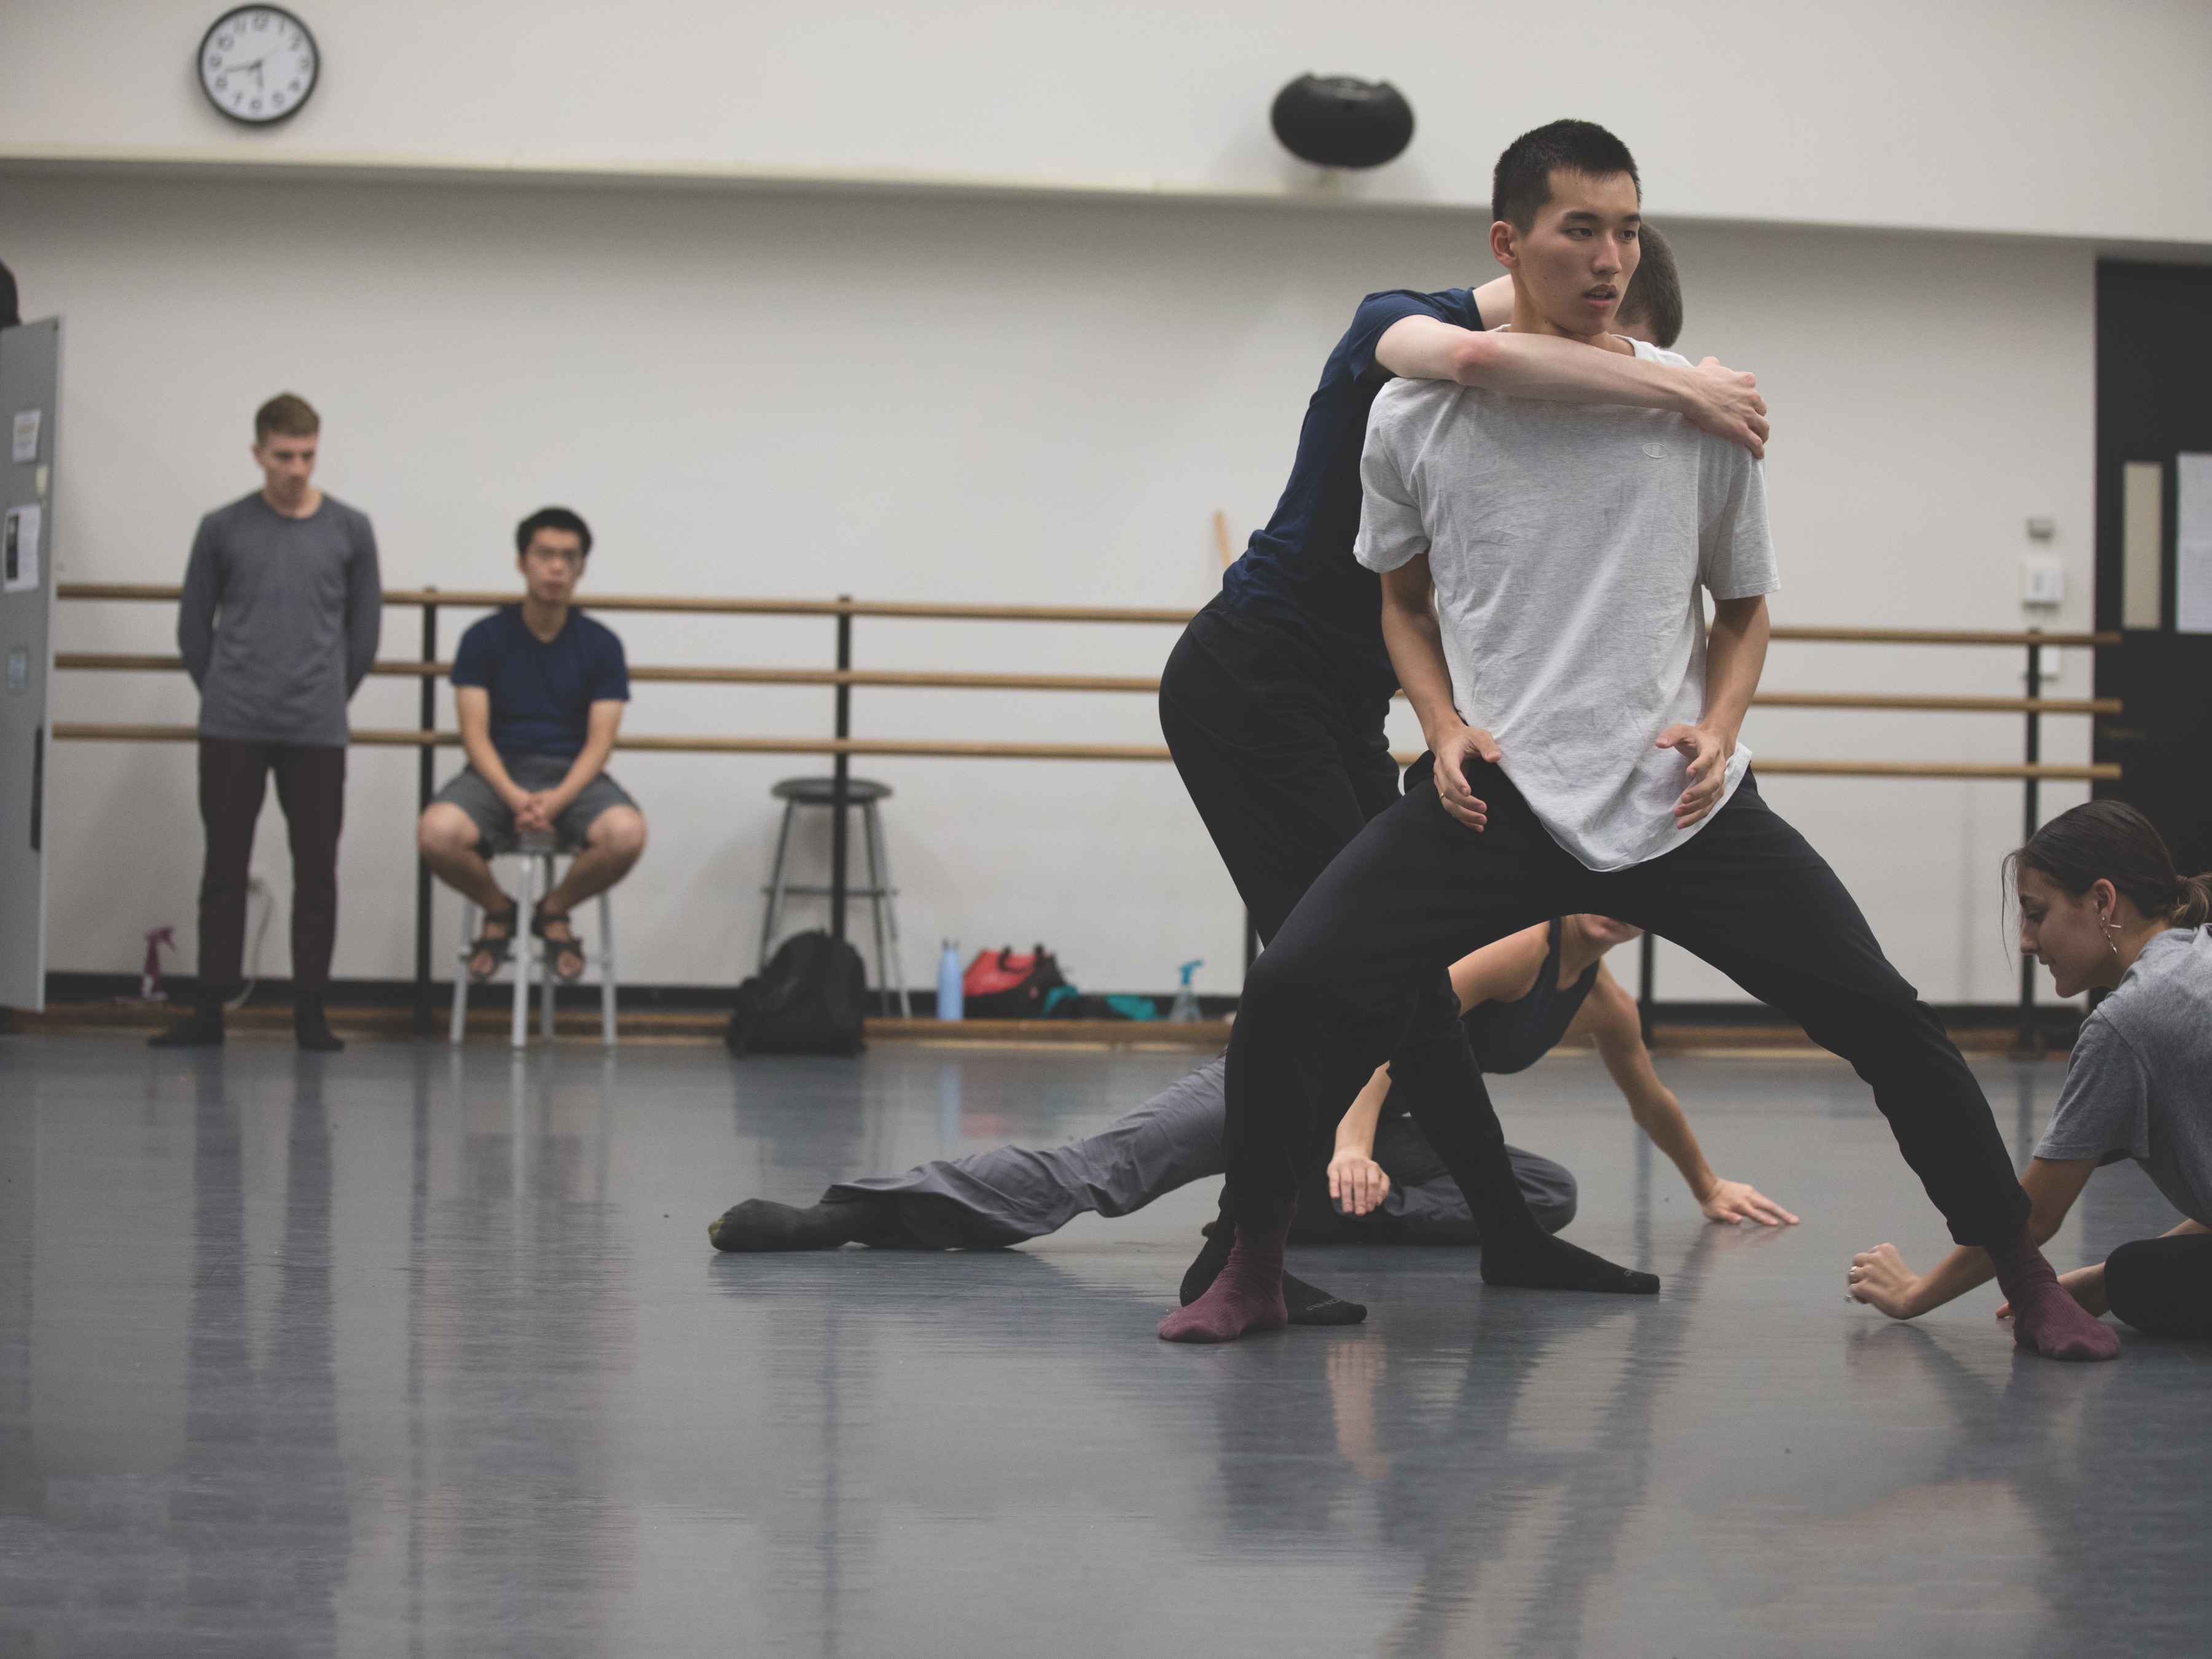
(1184, 1012)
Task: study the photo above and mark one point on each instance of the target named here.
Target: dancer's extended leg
(1750, 895)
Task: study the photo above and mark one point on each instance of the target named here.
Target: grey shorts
(469, 791)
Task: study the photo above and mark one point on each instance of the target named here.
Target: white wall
(968, 399)
(2062, 116)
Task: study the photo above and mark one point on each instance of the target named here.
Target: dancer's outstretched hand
(1880, 1279)
(1453, 750)
(1739, 1200)
(1725, 402)
(1707, 751)
(1357, 1183)
(2085, 1285)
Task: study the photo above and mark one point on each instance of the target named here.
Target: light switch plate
(2042, 579)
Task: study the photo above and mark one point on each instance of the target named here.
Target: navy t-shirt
(1300, 572)
(542, 695)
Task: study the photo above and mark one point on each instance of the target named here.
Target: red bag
(1000, 985)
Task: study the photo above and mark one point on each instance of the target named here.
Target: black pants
(1286, 762)
(2163, 1286)
(1417, 890)
(310, 788)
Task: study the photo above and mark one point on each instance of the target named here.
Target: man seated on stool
(539, 689)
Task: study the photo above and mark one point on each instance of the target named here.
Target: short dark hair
(286, 415)
(1522, 182)
(1654, 293)
(2111, 841)
(552, 518)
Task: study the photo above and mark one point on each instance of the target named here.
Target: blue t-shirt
(1300, 572)
(542, 695)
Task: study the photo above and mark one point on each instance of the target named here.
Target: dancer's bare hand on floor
(1357, 1183)
(2085, 1285)
(1737, 1202)
(1725, 402)
(1453, 753)
(1707, 752)
(1880, 1279)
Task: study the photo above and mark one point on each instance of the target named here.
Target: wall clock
(257, 65)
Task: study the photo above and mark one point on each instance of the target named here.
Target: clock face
(257, 65)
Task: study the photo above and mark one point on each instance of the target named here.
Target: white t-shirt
(1568, 543)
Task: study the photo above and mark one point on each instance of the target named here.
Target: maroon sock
(1246, 1295)
(2045, 1317)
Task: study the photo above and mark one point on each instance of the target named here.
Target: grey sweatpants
(1013, 1193)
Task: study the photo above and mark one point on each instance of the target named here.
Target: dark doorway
(2154, 408)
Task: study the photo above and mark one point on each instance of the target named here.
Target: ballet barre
(2031, 771)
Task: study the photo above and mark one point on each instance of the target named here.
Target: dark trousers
(1286, 763)
(2163, 1286)
(310, 788)
(1417, 890)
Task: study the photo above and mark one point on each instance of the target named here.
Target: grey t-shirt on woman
(279, 621)
(2140, 1083)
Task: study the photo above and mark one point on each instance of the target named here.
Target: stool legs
(606, 972)
(546, 977)
(461, 969)
(773, 920)
(525, 902)
(890, 971)
(527, 959)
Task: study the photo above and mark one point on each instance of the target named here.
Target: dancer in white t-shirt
(1542, 567)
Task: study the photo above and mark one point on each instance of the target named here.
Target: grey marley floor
(403, 1352)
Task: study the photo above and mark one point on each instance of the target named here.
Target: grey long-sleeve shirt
(279, 621)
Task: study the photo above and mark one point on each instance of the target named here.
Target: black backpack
(808, 1000)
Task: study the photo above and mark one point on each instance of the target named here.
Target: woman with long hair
(2103, 908)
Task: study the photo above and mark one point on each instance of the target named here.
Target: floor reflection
(410, 1350)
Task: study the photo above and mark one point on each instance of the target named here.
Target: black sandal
(494, 945)
(558, 948)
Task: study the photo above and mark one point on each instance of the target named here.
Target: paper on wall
(28, 421)
(19, 548)
(2192, 550)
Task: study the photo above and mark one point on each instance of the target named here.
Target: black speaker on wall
(1336, 121)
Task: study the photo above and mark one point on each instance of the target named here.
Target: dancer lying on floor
(1520, 996)
(1542, 566)
(2102, 907)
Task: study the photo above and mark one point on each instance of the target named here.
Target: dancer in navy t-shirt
(539, 689)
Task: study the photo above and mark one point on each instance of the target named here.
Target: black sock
(760, 1224)
(203, 1029)
(1461, 1124)
(1308, 1304)
(310, 1030)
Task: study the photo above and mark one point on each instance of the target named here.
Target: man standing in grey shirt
(281, 608)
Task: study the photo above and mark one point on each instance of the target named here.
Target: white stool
(535, 855)
(863, 793)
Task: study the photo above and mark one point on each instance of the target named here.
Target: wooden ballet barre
(905, 678)
(403, 738)
(1933, 636)
(403, 668)
(491, 599)
(469, 599)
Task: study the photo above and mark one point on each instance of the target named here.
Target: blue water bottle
(951, 999)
